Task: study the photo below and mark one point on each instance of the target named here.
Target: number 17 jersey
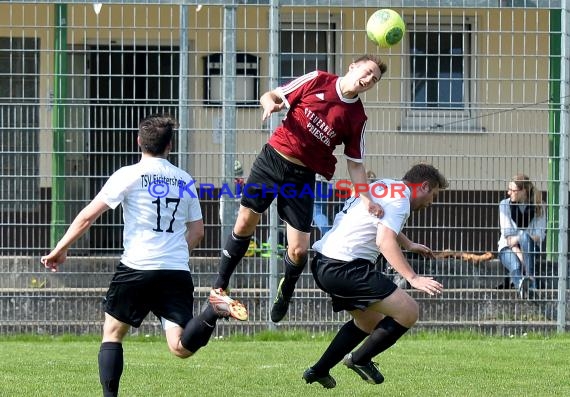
(158, 199)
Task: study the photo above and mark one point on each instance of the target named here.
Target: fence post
(274, 219)
(563, 171)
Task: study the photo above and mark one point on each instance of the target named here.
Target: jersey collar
(341, 97)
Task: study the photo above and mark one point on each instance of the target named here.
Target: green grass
(271, 364)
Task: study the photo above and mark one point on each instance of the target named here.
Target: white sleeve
(113, 192)
(538, 227)
(194, 209)
(395, 218)
(508, 226)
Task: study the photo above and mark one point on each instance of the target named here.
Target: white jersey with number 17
(158, 200)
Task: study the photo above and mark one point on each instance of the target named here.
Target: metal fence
(478, 88)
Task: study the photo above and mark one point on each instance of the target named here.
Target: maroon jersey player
(323, 111)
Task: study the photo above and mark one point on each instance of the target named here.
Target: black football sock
(292, 273)
(198, 331)
(234, 250)
(110, 367)
(347, 338)
(386, 333)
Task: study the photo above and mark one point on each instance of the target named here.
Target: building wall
(510, 60)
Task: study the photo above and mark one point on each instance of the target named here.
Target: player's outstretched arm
(359, 180)
(78, 227)
(387, 242)
(417, 248)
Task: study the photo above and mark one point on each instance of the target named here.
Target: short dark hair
(155, 133)
(426, 172)
(383, 67)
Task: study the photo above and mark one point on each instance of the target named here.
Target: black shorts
(351, 285)
(273, 176)
(134, 293)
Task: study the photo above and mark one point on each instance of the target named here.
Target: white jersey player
(162, 224)
(344, 267)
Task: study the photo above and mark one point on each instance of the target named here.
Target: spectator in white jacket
(523, 223)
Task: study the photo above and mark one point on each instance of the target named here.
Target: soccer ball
(385, 28)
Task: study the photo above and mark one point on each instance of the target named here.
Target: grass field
(272, 364)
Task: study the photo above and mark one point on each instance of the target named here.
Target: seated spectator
(523, 222)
